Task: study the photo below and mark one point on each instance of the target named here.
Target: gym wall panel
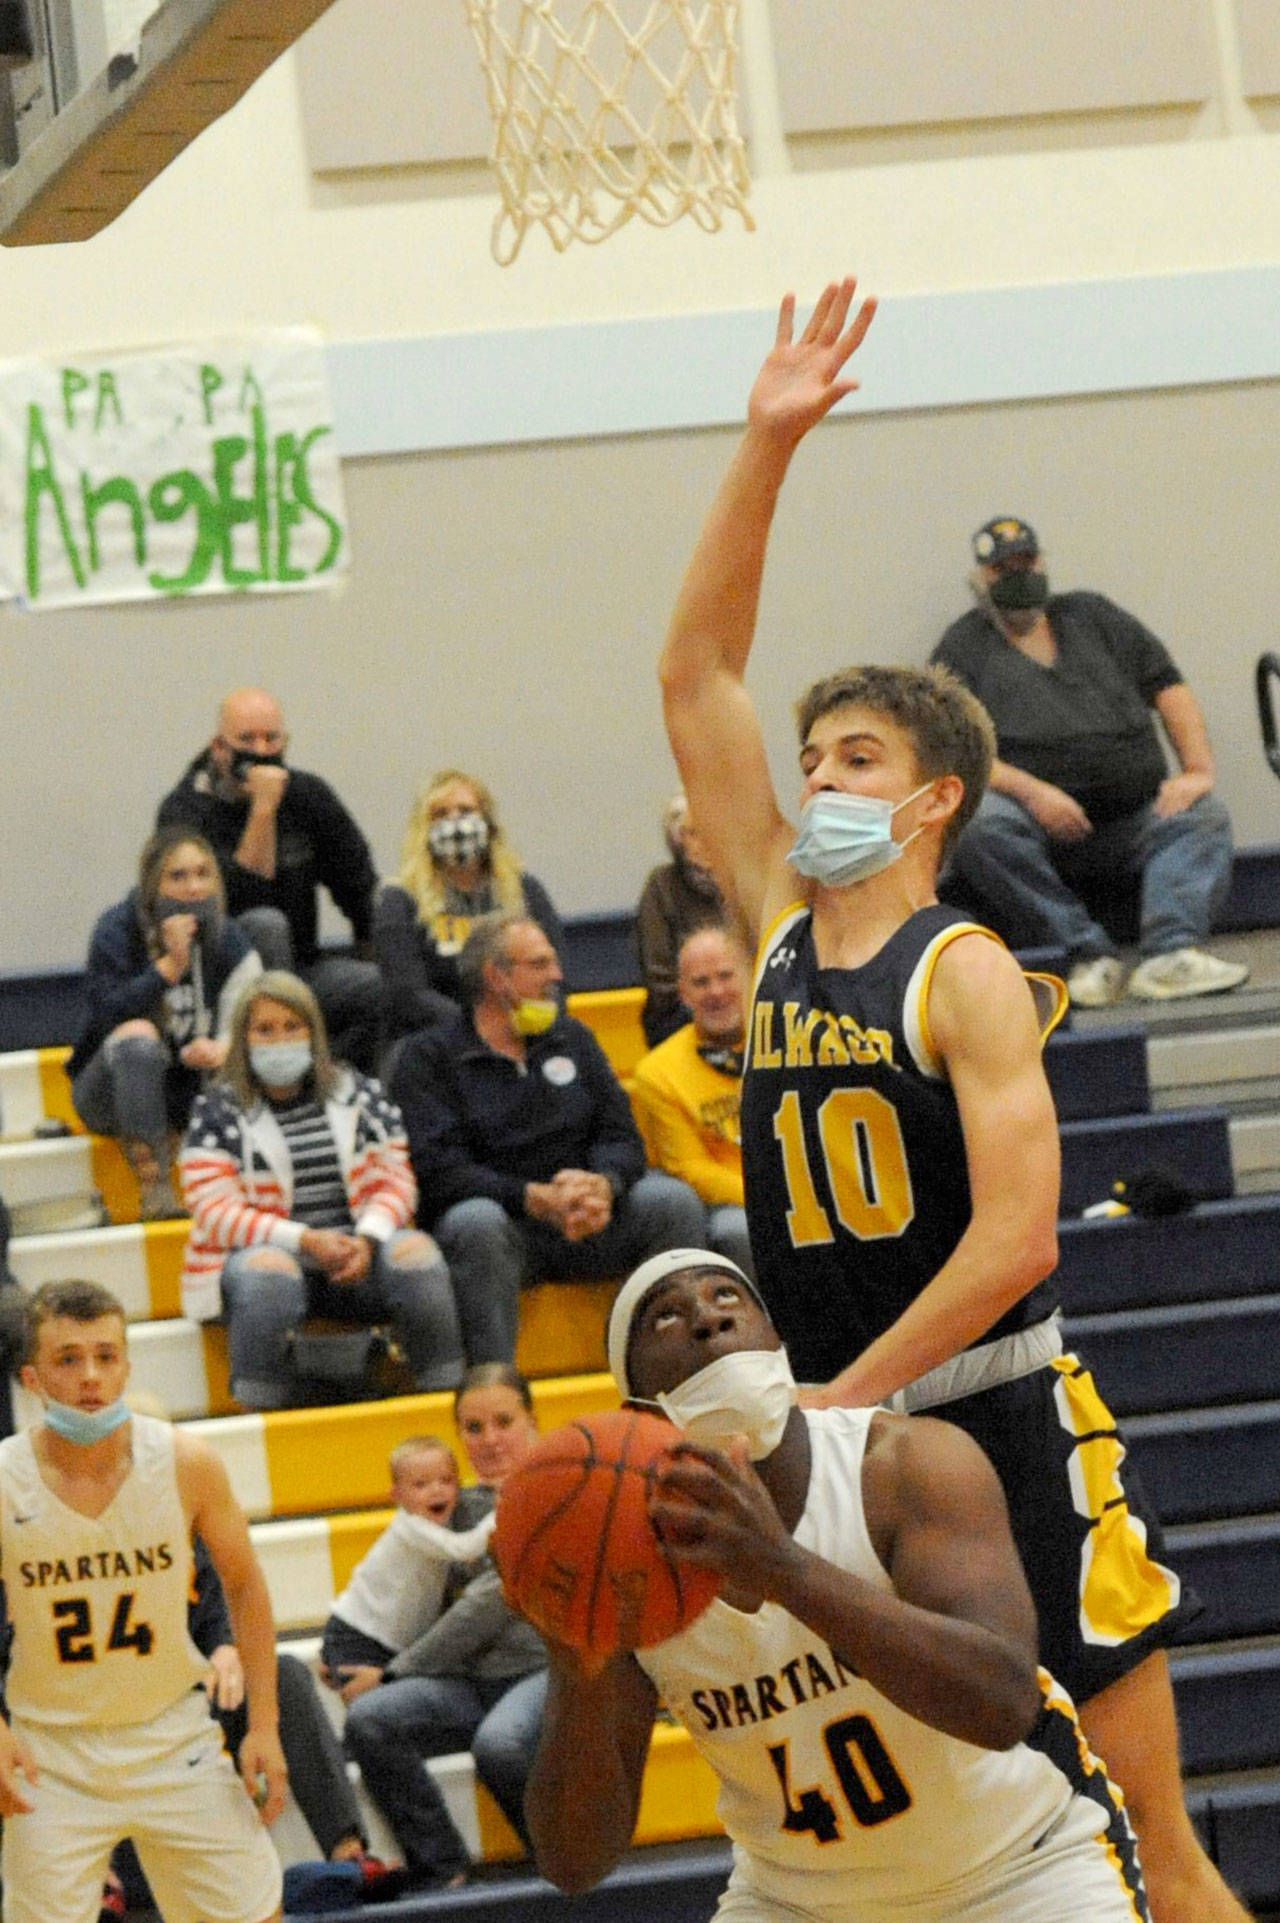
(1258, 23)
(385, 84)
(886, 63)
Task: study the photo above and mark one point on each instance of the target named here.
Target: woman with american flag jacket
(296, 1171)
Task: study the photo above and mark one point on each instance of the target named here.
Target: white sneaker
(1184, 971)
(1096, 982)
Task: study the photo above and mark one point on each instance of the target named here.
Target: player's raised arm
(714, 732)
(582, 1796)
(987, 1037)
(216, 1517)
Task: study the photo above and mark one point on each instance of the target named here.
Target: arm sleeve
(443, 1543)
(1143, 657)
(443, 1161)
(480, 1615)
(118, 990)
(213, 1185)
(382, 1190)
(411, 1001)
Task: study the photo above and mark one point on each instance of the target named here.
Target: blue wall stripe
(685, 371)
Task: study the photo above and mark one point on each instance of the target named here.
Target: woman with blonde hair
(165, 969)
(296, 1172)
(455, 865)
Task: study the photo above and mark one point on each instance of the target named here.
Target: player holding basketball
(865, 1687)
(110, 1734)
(899, 1137)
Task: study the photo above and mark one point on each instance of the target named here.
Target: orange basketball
(574, 1545)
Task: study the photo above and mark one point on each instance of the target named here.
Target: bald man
(281, 834)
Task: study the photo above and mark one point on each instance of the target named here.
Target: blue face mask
(280, 1064)
(845, 838)
(85, 1425)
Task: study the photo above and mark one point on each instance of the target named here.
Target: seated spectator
(455, 864)
(297, 1175)
(281, 834)
(476, 1680)
(398, 1589)
(676, 898)
(165, 970)
(1080, 794)
(688, 1090)
(529, 1164)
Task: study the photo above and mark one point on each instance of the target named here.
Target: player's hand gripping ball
(575, 1547)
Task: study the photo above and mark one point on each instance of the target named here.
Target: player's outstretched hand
(714, 1510)
(16, 1764)
(802, 379)
(263, 1772)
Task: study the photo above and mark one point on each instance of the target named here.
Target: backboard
(111, 91)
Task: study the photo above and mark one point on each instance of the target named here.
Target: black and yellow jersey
(857, 1188)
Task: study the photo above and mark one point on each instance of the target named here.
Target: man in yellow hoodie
(687, 1090)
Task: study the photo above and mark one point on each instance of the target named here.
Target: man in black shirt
(1081, 792)
(280, 834)
(529, 1164)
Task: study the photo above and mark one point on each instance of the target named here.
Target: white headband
(638, 1285)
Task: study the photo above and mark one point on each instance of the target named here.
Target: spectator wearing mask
(455, 864)
(687, 1091)
(165, 970)
(297, 1176)
(282, 834)
(677, 897)
(1081, 797)
(529, 1164)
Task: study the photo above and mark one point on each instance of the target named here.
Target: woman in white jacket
(296, 1172)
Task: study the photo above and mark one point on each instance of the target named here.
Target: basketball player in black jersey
(899, 1138)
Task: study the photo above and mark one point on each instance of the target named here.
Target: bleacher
(1178, 1315)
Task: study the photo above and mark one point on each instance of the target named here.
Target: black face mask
(244, 758)
(207, 913)
(1022, 588)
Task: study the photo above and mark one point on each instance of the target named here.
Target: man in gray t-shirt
(1081, 797)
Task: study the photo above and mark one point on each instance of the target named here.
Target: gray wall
(505, 607)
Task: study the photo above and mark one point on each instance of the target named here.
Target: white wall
(507, 600)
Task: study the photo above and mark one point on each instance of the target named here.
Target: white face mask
(748, 1394)
(845, 838)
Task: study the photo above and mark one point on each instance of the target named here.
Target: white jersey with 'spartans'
(98, 1604)
(837, 1800)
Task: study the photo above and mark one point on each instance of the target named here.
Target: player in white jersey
(865, 1686)
(110, 1734)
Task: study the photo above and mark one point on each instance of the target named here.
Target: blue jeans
(491, 1254)
(267, 1293)
(1029, 879)
(390, 1730)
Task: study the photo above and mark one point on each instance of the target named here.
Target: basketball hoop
(607, 108)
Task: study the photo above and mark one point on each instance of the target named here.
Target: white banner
(168, 472)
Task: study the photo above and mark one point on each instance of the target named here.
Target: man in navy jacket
(529, 1164)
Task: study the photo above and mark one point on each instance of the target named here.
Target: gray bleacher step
(1228, 1707)
(1202, 1058)
(1184, 1356)
(1238, 1816)
(1193, 1143)
(1234, 1567)
(1230, 1246)
(1255, 1145)
(1200, 1463)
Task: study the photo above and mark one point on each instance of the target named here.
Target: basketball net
(607, 108)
